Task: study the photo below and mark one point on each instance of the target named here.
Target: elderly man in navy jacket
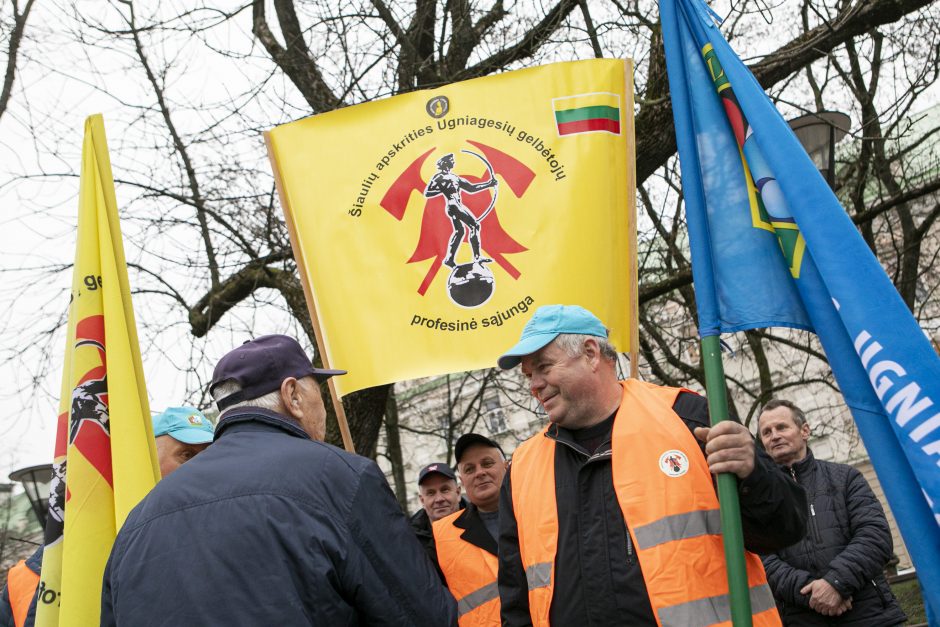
(270, 526)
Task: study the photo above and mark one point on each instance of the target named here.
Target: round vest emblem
(674, 463)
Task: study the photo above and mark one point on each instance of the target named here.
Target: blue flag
(772, 246)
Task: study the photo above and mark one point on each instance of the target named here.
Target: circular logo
(674, 463)
(437, 107)
(470, 284)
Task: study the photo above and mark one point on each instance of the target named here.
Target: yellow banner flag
(105, 455)
(429, 225)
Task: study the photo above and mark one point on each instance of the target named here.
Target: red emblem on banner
(441, 225)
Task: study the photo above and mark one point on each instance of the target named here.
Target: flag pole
(630, 136)
(730, 507)
(308, 295)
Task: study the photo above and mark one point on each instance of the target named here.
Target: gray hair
(270, 401)
(798, 416)
(573, 344)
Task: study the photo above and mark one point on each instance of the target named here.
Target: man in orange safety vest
(609, 516)
(465, 541)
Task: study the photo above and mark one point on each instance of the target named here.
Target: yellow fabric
(109, 470)
(645, 429)
(21, 587)
(558, 236)
(467, 568)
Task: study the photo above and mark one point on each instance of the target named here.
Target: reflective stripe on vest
(21, 587)
(470, 573)
(678, 527)
(669, 503)
(717, 610)
(539, 575)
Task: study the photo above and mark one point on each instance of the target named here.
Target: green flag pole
(727, 490)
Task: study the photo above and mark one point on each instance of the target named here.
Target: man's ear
(592, 350)
(805, 430)
(290, 397)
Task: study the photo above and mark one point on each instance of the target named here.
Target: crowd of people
(607, 516)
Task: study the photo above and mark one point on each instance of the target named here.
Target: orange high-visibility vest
(470, 573)
(668, 500)
(21, 587)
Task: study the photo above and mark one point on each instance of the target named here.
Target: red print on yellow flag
(438, 228)
(105, 457)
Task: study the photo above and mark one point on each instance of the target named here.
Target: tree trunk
(393, 450)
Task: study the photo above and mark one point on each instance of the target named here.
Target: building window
(493, 415)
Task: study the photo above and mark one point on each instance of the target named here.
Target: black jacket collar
(247, 418)
(806, 463)
(567, 437)
(475, 531)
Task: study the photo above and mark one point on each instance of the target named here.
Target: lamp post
(36, 480)
(819, 133)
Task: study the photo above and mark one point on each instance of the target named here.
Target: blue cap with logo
(186, 424)
(548, 322)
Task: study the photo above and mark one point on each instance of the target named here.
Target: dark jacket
(598, 581)
(267, 527)
(34, 563)
(848, 544)
(421, 525)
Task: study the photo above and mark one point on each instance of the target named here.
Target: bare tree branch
(13, 47)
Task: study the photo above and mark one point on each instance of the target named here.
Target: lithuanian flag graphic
(587, 113)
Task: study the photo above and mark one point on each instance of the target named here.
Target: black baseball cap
(261, 365)
(437, 467)
(470, 439)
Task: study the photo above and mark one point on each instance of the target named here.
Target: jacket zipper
(590, 458)
(573, 448)
(814, 528)
(813, 525)
(881, 594)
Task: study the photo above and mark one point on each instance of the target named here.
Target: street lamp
(36, 480)
(819, 133)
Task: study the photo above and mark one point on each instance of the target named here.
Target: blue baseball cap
(548, 322)
(186, 424)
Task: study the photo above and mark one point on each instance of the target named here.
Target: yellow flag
(105, 456)
(429, 225)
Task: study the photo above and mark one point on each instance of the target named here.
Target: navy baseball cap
(260, 366)
(186, 424)
(472, 439)
(548, 322)
(437, 467)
